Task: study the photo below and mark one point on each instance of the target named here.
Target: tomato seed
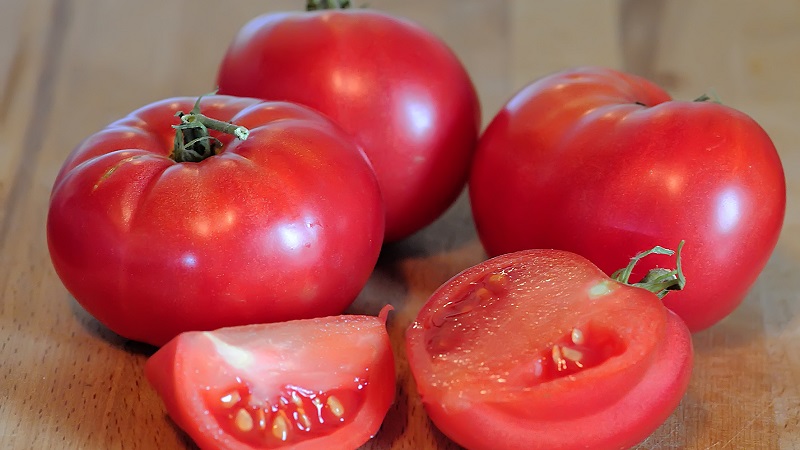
(496, 282)
(336, 406)
(572, 355)
(243, 420)
(280, 426)
(577, 336)
(561, 364)
(261, 419)
(303, 422)
(483, 294)
(231, 399)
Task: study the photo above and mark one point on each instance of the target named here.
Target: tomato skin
(613, 405)
(397, 88)
(287, 224)
(573, 162)
(318, 354)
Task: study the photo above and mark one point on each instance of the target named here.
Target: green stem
(314, 5)
(713, 98)
(193, 143)
(658, 281)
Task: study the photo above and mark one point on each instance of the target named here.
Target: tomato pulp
(394, 86)
(539, 349)
(604, 163)
(320, 383)
(286, 224)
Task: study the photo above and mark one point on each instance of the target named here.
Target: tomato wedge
(320, 383)
(541, 349)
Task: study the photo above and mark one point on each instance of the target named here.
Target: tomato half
(322, 383)
(539, 349)
(394, 86)
(603, 164)
(286, 224)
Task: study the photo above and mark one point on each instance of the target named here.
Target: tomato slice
(540, 349)
(305, 384)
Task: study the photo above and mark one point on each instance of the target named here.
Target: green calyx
(193, 143)
(658, 281)
(315, 5)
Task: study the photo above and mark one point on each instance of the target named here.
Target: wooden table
(68, 67)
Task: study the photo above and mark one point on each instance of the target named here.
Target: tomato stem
(658, 281)
(713, 98)
(193, 143)
(314, 5)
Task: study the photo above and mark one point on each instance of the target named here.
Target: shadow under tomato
(767, 311)
(680, 430)
(99, 331)
(408, 271)
(406, 424)
(452, 230)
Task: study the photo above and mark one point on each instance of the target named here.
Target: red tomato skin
(594, 422)
(287, 224)
(573, 162)
(397, 88)
(171, 371)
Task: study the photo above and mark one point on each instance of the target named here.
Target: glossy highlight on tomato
(604, 163)
(539, 349)
(399, 90)
(286, 224)
(306, 384)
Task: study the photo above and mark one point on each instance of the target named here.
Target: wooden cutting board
(68, 67)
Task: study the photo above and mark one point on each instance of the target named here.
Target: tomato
(286, 224)
(395, 87)
(539, 349)
(322, 383)
(604, 163)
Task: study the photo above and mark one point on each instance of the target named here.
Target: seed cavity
(335, 406)
(243, 420)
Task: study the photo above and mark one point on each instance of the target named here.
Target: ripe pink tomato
(395, 87)
(603, 163)
(286, 224)
(539, 349)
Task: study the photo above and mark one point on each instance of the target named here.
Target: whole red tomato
(397, 88)
(286, 224)
(603, 163)
(323, 383)
(539, 349)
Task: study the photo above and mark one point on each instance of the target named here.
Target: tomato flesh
(315, 383)
(531, 339)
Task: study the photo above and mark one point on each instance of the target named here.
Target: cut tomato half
(539, 349)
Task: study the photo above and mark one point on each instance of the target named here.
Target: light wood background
(68, 67)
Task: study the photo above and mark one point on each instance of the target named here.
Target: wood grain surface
(68, 67)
